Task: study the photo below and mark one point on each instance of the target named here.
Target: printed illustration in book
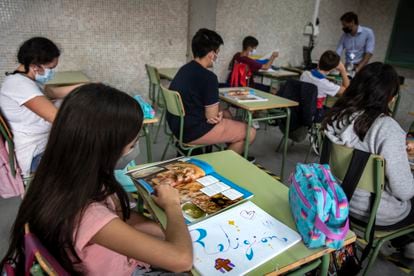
(203, 192)
(239, 240)
(241, 95)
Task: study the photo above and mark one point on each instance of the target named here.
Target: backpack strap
(326, 151)
(355, 169)
(353, 174)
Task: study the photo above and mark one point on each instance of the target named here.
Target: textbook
(203, 192)
(239, 240)
(242, 95)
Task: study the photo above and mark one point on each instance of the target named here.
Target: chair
(175, 106)
(371, 180)
(302, 115)
(154, 95)
(37, 260)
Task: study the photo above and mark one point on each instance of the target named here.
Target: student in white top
(327, 63)
(24, 102)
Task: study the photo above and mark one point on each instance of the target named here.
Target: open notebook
(238, 240)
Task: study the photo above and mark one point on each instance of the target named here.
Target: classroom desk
(167, 73)
(332, 78)
(271, 196)
(274, 102)
(147, 136)
(64, 78)
(277, 74)
(74, 77)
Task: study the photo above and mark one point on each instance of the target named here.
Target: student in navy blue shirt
(204, 122)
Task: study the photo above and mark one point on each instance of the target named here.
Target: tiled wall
(277, 24)
(280, 24)
(109, 40)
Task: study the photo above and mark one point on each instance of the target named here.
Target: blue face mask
(47, 76)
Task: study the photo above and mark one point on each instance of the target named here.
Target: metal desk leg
(325, 264)
(148, 142)
(285, 143)
(246, 143)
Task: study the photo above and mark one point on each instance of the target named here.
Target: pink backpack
(11, 182)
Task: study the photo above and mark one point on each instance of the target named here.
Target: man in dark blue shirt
(204, 123)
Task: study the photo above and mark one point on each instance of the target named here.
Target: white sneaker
(387, 249)
(255, 124)
(409, 251)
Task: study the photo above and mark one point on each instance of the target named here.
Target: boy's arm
(213, 114)
(271, 60)
(344, 76)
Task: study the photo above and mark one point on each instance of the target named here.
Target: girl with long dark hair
(361, 119)
(79, 211)
(26, 105)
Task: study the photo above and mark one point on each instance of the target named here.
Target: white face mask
(214, 60)
(252, 52)
(127, 158)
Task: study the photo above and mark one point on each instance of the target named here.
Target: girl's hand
(166, 196)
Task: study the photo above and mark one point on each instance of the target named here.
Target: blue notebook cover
(203, 192)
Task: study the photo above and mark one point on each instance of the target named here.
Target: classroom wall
(109, 40)
(280, 24)
(202, 14)
(277, 24)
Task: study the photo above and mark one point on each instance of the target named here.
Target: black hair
(250, 41)
(38, 51)
(91, 129)
(205, 41)
(350, 17)
(329, 60)
(369, 94)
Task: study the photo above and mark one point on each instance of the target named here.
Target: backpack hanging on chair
(240, 75)
(11, 182)
(319, 206)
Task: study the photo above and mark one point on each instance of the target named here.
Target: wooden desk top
(273, 101)
(277, 73)
(332, 78)
(270, 195)
(151, 121)
(68, 78)
(167, 73)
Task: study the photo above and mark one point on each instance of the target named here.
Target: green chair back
(175, 106)
(372, 179)
(173, 102)
(154, 84)
(373, 173)
(153, 75)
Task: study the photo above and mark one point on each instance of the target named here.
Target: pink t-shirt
(98, 260)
